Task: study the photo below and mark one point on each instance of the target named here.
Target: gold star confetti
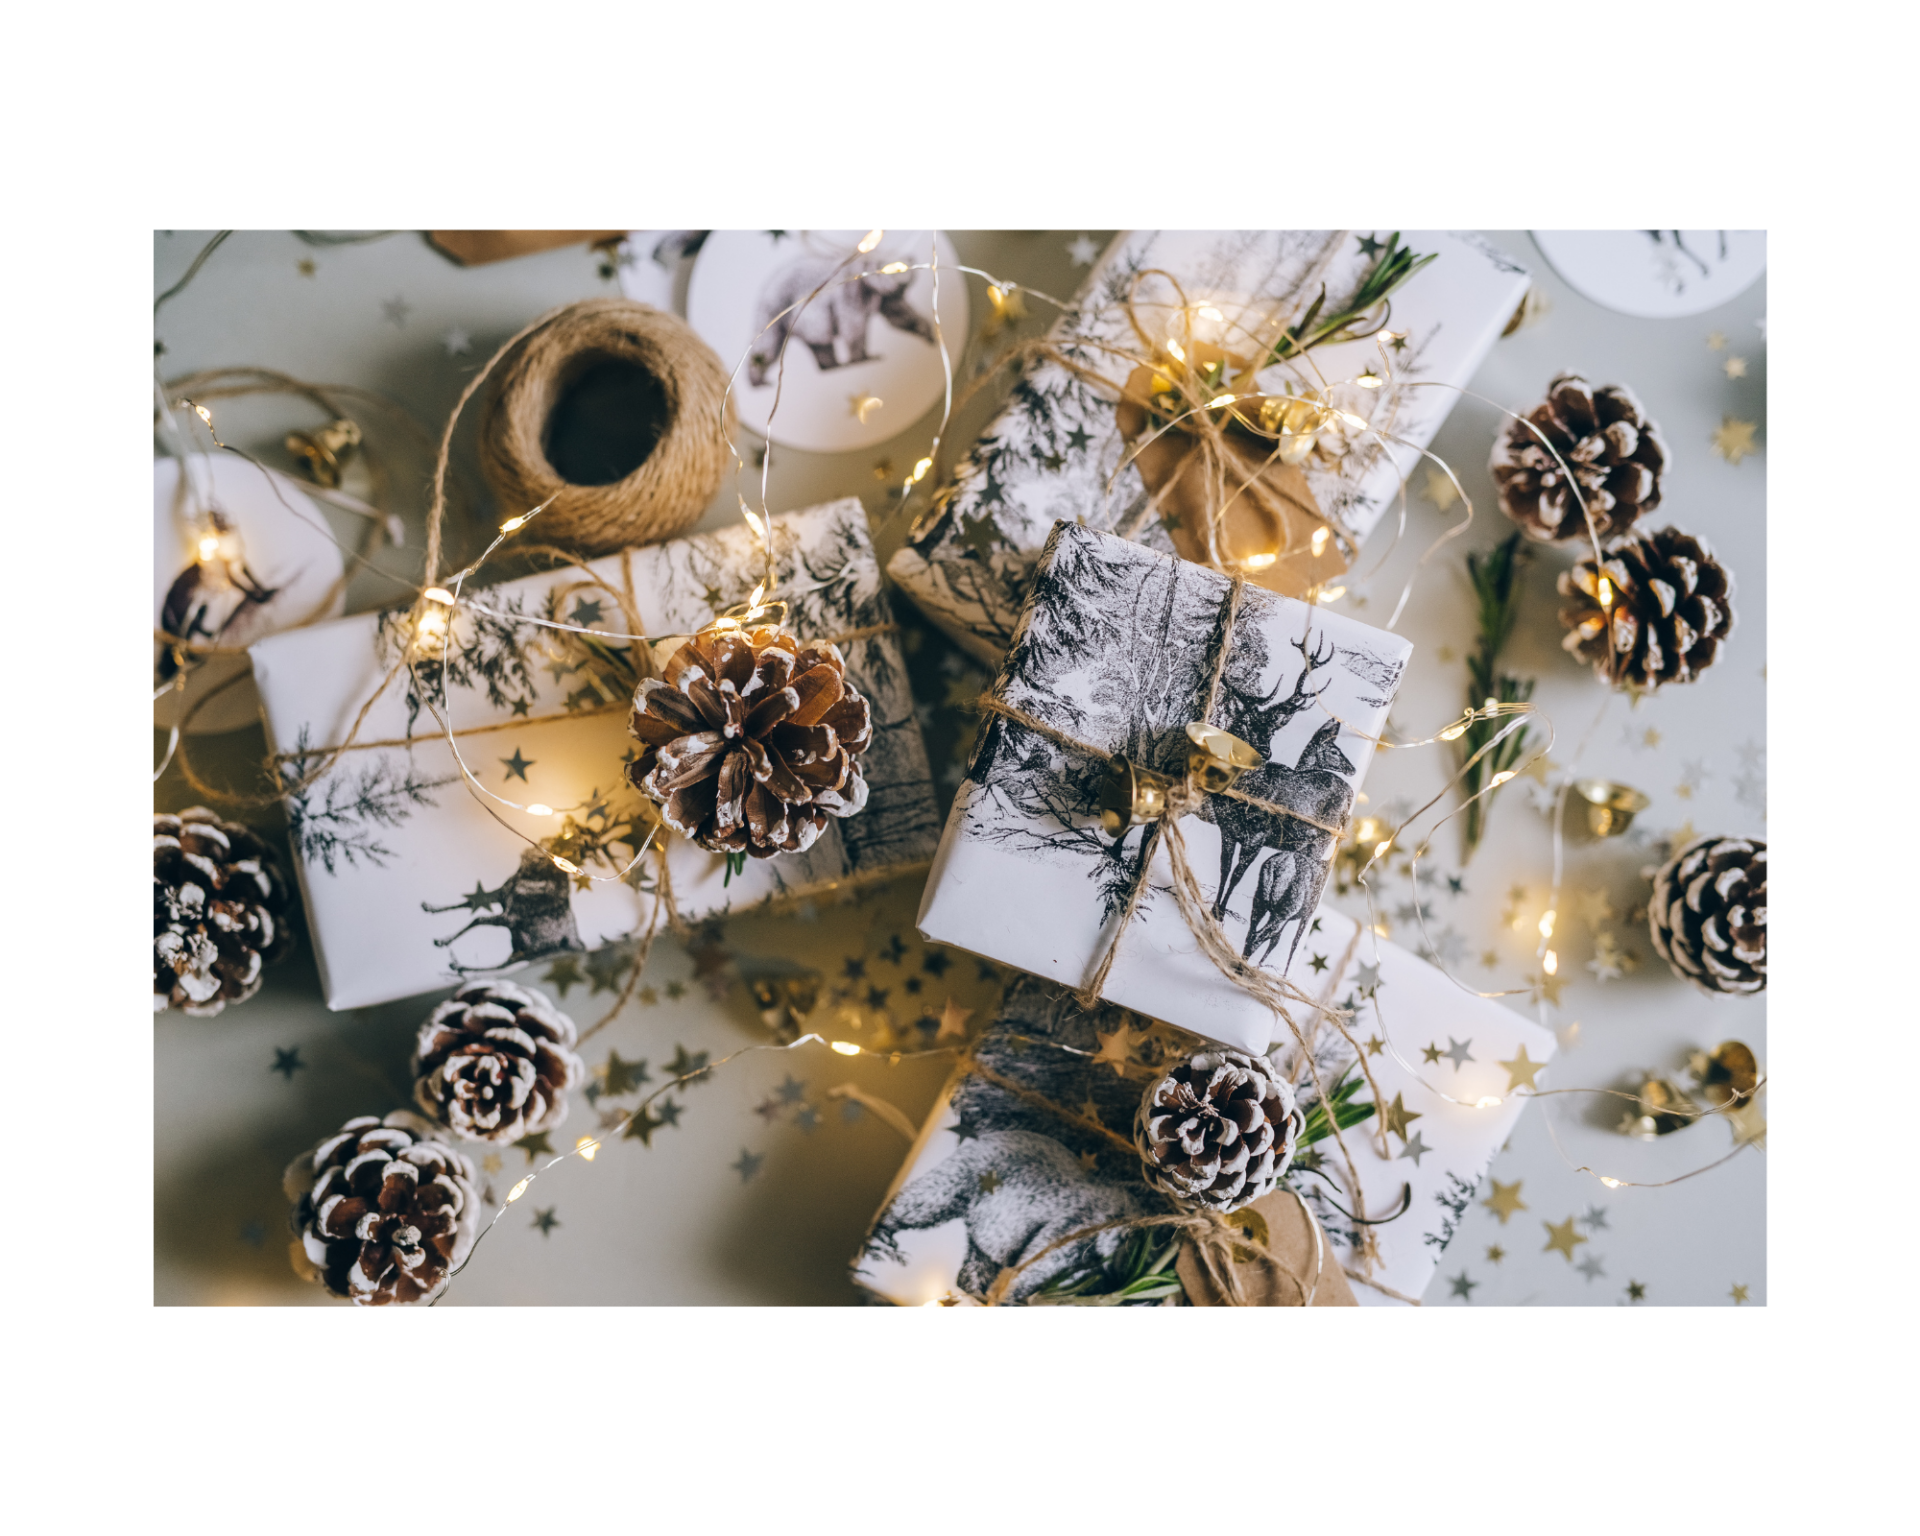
(1489, 958)
(863, 405)
(1495, 1254)
(1736, 367)
(1396, 1117)
(1375, 1046)
(1431, 1051)
(1734, 441)
(1636, 1291)
(1596, 907)
(1546, 988)
(305, 266)
(1520, 1071)
(1116, 1048)
(1716, 342)
(1505, 1199)
(1650, 737)
(1515, 917)
(1561, 1238)
(1090, 1161)
(1091, 1110)
(1739, 1294)
(883, 470)
(490, 1163)
(1009, 304)
(1447, 653)
(990, 1181)
(1440, 489)
(953, 1022)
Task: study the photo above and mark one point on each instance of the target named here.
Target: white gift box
(410, 880)
(1051, 451)
(1115, 649)
(995, 1177)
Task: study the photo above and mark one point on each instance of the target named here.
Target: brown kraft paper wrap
(1281, 1222)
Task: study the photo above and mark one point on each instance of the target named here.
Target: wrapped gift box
(411, 883)
(1115, 650)
(1054, 447)
(998, 1175)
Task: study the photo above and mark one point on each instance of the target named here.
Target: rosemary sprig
(1387, 274)
(1141, 1271)
(1497, 593)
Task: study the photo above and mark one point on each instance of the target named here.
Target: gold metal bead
(1610, 807)
(1218, 758)
(1662, 1110)
(324, 453)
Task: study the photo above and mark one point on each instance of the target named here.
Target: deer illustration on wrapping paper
(834, 326)
(535, 907)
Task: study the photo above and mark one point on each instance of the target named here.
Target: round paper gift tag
(1656, 273)
(271, 564)
(861, 365)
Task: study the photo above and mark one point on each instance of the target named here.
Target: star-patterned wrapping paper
(1052, 451)
(727, 1205)
(410, 883)
(994, 1179)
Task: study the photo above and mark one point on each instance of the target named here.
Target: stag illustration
(535, 907)
(834, 325)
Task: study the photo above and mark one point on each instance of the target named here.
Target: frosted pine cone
(383, 1210)
(494, 1062)
(1616, 455)
(1219, 1129)
(750, 741)
(219, 912)
(1655, 610)
(1708, 914)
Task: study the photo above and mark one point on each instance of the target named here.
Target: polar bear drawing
(834, 326)
(1017, 1191)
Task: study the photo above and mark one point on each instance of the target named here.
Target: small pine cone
(494, 1062)
(1708, 914)
(383, 1210)
(1616, 455)
(749, 741)
(1671, 608)
(1220, 1129)
(219, 912)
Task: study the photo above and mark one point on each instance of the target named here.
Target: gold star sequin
(305, 266)
(953, 1022)
(1396, 1117)
(1546, 988)
(1505, 1199)
(1596, 907)
(1375, 1046)
(1090, 1161)
(1440, 489)
(1489, 958)
(1736, 367)
(1431, 1051)
(1561, 1238)
(1520, 1071)
(1716, 341)
(1739, 1294)
(1636, 1291)
(1116, 1048)
(1734, 441)
(1495, 1254)
(1650, 737)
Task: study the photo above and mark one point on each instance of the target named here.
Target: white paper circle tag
(1656, 273)
(861, 365)
(286, 565)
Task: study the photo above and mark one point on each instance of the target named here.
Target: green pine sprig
(1496, 590)
(1336, 1111)
(1386, 275)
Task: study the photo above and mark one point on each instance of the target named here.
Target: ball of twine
(671, 487)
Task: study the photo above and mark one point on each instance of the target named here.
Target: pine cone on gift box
(1654, 610)
(1616, 455)
(383, 1211)
(750, 741)
(494, 1062)
(1220, 1129)
(1708, 914)
(219, 912)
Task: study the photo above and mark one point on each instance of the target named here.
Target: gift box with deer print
(1029, 1146)
(1064, 444)
(1116, 654)
(411, 882)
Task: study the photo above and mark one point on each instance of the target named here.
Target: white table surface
(676, 1222)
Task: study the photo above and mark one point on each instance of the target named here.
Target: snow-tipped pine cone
(383, 1210)
(1661, 615)
(494, 1062)
(1219, 1130)
(1616, 455)
(219, 912)
(750, 741)
(1708, 914)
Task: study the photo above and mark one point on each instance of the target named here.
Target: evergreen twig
(1390, 272)
(1497, 594)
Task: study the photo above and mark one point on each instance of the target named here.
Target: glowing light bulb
(209, 545)
(1329, 594)
(1390, 337)
(1174, 347)
(1610, 1183)
(1546, 923)
(438, 595)
(537, 809)
(1500, 778)
(1603, 593)
(1259, 562)
(1208, 312)
(758, 593)
(873, 239)
(920, 469)
(512, 523)
(1491, 704)
(1380, 848)
(1486, 1101)
(567, 864)
(894, 267)
(519, 1189)
(1358, 423)
(1453, 733)
(1219, 400)
(1550, 963)
(586, 1146)
(1319, 541)
(753, 521)
(204, 414)
(846, 1047)
(1369, 380)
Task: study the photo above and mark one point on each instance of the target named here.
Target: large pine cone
(1219, 1130)
(494, 1062)
(1615, 453)
(1671, 608)
(219, 912)
(749, 741)
(1708, 914)
(383, 1211)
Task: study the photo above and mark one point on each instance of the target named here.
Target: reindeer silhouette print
(536, 909)
(834, 326)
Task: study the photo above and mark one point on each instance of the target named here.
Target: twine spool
(671, 485)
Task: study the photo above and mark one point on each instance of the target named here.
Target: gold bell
(1610, 807)
(1728, 1076)
(1662, 1110)
(323, 454)
(1218, 758)
(1131, 795)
